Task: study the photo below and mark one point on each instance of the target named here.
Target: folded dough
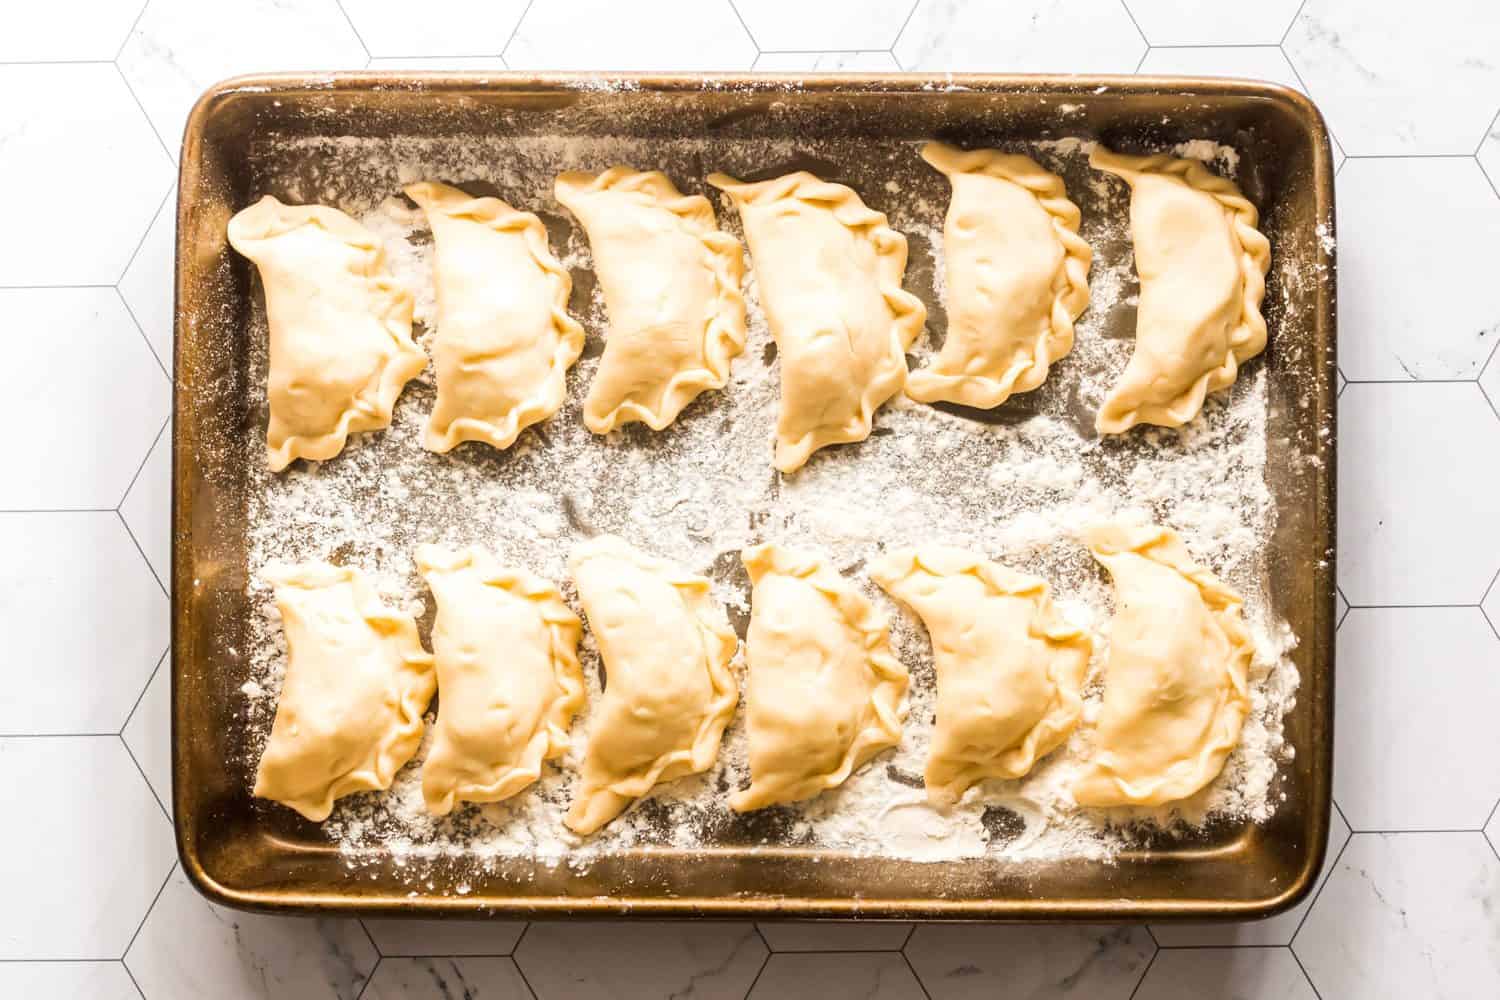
(829, 271)
(341, 347)
(1175, 690)
(671, 283)
(504, 338)
(506, 648)
(668, 692)
(1009, 668)
(1017, 278)
(825, 693)
(357, 683)
(1202, 265)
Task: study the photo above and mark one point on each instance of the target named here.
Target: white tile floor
(96, 95)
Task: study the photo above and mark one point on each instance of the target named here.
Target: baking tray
(252, 858)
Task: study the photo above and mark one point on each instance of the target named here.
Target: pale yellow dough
(1009, 667)
(1202, 265)
(341, 347)
(825, 692)
(671, 283)
(357, 683)
(504, 339)
(1175, 686)
(829, 270)
(669, 691)
(1017, 277)
(509, 682)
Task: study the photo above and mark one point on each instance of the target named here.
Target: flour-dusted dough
(504, 338)
(829, 271)
(1009, 667)
(341, 347)
(825, 692)
(1202, 265)
(668, 691)
(671, 282)
(357, 683)
(509, 682)
(1017, 274)
(1175, 687)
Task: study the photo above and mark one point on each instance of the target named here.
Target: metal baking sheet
(248, 856)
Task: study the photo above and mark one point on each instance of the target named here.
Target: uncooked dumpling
(504, 338)
(671, 283)
(1202, 265)
(1009, 668)
(1017, 277)
(341, 347)
(1175, 690)
(357, 683)
(825, 692)
(509, 682)
(668, 690)
(829, 271)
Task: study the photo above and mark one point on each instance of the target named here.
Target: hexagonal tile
(1419, 512)
(834, 935)
(1185, 22)
(960, 961)
(188, 947)
(703, 36)
(388, 28)
(148, 732)
(147, 508)
(80, 980)
(1411, 231)
(67, 30)
(60, 572)
(837, 976)
(1392, 83)
(583, 960)
(1252, 974)
(457, 64)
(826, 62)
(92, 846)
(831, 24)
(1027, 36)
(78, 224)
(147, 282)
(1406, 915)
(1410, 679)
(446, 979)
(420, 938)
(179, 47)
(90, 406)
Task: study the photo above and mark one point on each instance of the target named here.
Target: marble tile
(455, 64)
(179, 47)
(77, 224)
(579, 961)
(1195, 973)
(148, 733)
(1395, 82)
(826, 62)
(445, 937)
(81, 610)
(1196, 22)
(997, 962)
(1419, 516)
(67, 30)
(1406, 915)
(869, 976)
(67, 981)
(93, 846)
(148, 280)
(1027, 36)
(188, 947)
(834, 935)
(91, 404)
(445, 27)
(829, 24)
(1277, 930)
(703, 36)
(447, 979)
(147, 508)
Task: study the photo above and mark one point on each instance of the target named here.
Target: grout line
(57, 510)
(1407, 156)
(142, 331)
(907, 940)
(1142, 61)
(524, 978)
(821, 52)
(524, 981)
(1318, 892)
(55, 736)
(1144, 973)
(170, 872)
(920, 985)
(1151, 934)
(758, 972)
(762, 937)
(154, 442)
(142, 696)
(47, 288)
(1290, 25)
(373, 969)
(1298, 960)
(142, 241)
(149, 787)
(1414, 831)
(1410, 381)
(1409, 607)
(133, 980)
(56, 62)
(131, 33)
(1221, 947)
(371, 937)
(163, 586)
(57, 961)
(504, 49)
(748, 33)
(171, 160)
(1485, 137)
(1137, 25)
(360, 39)
(1221, 45)
(902, 30)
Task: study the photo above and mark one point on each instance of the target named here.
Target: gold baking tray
(250, 857)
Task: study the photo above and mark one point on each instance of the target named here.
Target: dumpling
(504, 338)
(341, 347)
(671, 282)
(668, 692)
(1009, 668)
(1017, 276)
(1202, 265)
(825, 692)
(1175, 686)
(829, 271)
(357, 683)
(509, 682)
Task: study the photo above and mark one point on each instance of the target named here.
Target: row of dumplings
(829, 271)
(825, 692)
